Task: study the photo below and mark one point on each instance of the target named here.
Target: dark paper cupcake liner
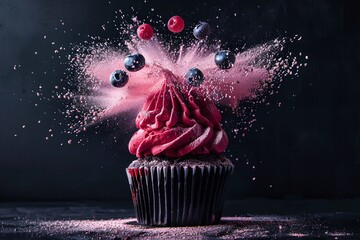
(178, 195)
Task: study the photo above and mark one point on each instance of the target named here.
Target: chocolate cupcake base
(180, 192)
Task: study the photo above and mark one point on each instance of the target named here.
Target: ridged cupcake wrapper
(178, 196)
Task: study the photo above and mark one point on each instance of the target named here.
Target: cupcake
(180, 174)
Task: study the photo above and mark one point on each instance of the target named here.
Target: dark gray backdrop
(309, 146)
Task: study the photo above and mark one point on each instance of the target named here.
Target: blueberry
(134, 62)
(202, 30)
(119, 78)
(224, 59)
(194, 77)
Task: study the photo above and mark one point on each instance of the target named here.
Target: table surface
(255, 219)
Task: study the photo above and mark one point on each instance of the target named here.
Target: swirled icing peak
(178, 120)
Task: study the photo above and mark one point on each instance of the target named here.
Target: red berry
(176, 24)
(145, 31)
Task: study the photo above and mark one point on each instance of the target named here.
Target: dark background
(308, 147)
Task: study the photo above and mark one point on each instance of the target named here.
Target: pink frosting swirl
(176, 121)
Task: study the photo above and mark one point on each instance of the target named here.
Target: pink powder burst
(96, 100)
